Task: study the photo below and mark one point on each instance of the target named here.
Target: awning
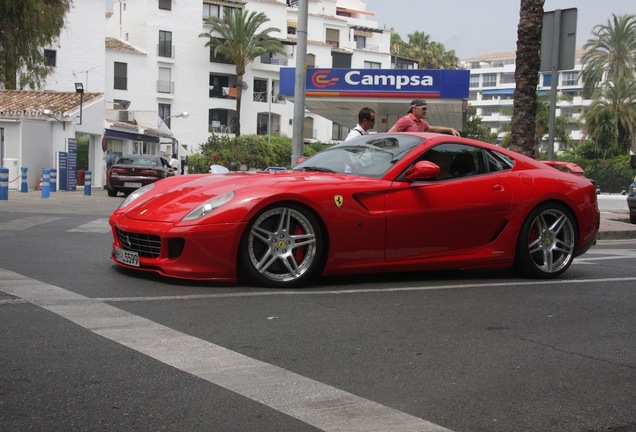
(362, 33)
(110, 133)
(498, 92)
(225, 3)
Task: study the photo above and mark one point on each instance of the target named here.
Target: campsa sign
(379, 82)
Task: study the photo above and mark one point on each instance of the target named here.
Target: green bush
(611, 175)
(253, 151)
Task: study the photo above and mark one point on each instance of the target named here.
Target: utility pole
(300, 84)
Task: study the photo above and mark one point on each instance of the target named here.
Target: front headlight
(136, 194)
(208, 206)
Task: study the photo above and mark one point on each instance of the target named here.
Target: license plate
(132, 185)
(126, 257)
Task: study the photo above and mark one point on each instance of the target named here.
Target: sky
(476, 27)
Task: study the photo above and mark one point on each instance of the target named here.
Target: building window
(489, 80)
(165, 44)
(211, 11)
(311, 60)
(570, 78)
(333, 37)
(361, 42)
(474, 81)
(163, 111)
(341, 60)
(164, 83)
(507, 78)
(165, 4)
(260, 90)
(121, 76)
(372, 65)
(219, 86)
(50, 57)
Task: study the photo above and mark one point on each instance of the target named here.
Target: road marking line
(310, 401)
(344, 291)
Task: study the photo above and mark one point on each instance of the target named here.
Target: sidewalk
(615, 223)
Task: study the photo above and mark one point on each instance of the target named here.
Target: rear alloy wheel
(545, 248)
(282, 247)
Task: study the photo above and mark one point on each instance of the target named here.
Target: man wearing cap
(414, 121)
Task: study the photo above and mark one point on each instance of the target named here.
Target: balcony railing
(165, 50)
(282, 61)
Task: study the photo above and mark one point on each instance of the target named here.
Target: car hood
(174, 197)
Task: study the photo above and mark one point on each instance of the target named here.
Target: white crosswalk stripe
(26, 223)
(96, 226)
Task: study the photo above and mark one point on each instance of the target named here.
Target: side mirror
(422, 170)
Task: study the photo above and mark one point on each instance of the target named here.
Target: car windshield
(144, 160)
(369, 155)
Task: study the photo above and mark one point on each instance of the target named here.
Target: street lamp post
(79, 88)
(184, 114)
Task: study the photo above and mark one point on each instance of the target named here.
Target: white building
(156, 59)
(148, 59)
(492, 85)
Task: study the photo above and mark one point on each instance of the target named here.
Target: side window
(498, 161)
(455, 160)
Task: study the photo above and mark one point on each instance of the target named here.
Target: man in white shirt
(366, 121)
(175, 164)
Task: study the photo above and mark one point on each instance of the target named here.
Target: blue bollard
(53, 179)
(46, 183)
(87, 182)
(24, 187)
(4, 184)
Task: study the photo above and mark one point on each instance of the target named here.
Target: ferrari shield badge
(338, 200)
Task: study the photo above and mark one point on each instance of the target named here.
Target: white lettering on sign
(397, 81)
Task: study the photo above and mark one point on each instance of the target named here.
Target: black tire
(546, 243)
(282, 247)
(632, 218)
(111, 192)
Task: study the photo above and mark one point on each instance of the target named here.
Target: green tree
(237, 37)
(523, 126)
(26, 27)
(473, 128)
(611, 54)
(611, 118)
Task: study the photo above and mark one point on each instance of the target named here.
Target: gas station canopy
(338, 94)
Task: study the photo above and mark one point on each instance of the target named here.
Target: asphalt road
(87, 346)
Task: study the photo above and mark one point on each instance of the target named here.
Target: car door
(451, 216)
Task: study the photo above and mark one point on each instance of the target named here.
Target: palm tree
(616, 106)
(611, 54)
(237, 37)
(523, 126)
(429, 54)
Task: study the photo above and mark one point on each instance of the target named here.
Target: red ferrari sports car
(377, 203)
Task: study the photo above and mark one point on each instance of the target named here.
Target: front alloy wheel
(545, 248)
(282, 247)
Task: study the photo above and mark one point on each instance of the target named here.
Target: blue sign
(379, 82)
(62, 174)
(72, 165)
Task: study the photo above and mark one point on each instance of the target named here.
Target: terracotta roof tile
(121, 46)
(25, 103)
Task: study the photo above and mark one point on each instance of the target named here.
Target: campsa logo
(320, 79)
(356, 78)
